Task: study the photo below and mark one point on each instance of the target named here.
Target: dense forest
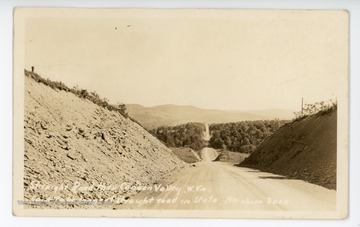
(242, 136)
(185, 135)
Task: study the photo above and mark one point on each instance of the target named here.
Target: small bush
(322, 107)
(81, 93)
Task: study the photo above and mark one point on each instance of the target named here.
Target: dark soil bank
(304, 149)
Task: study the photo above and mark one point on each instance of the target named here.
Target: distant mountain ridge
(171, 115)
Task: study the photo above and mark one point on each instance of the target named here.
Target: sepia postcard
(201, 113)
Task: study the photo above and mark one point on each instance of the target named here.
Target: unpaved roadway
(216, 185)
(207, 132)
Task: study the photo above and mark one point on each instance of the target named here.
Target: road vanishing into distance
(207, 132)
(224, 186)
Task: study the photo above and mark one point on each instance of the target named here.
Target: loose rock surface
(186, 154)
(73, 146)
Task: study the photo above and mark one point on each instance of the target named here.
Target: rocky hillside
(303, 149)
(229, 156)
(72, 143)
(186, 154)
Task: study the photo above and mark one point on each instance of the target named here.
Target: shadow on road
(252, 171)
(275, 177)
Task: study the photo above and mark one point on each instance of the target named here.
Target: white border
(6, 12)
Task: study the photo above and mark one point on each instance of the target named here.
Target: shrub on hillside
(81, 93)
(322, 107)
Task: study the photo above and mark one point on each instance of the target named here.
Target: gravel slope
(70, 141)
(229, 156)
(186, 154)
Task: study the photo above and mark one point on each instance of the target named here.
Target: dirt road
(216, 185)
(207, 132)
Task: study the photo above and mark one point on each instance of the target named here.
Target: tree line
(242, 136)
(185, 135)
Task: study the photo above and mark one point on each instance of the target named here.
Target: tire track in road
(223, 186)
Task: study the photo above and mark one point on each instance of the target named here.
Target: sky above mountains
(228, 59)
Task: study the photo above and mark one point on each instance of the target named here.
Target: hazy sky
(227, 59)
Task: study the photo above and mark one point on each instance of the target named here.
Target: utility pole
(302, 106)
